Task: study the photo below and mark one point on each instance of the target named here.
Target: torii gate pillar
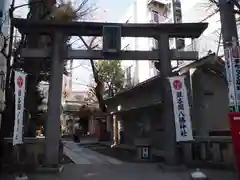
(54, 102)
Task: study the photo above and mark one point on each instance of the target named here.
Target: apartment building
(147, 11)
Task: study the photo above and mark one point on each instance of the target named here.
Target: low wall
(31, 153)
(209, 152)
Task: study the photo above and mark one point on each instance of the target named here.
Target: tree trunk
(99, 95)
(99, 88)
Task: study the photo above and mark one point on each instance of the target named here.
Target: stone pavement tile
(101, 156)
(75, 157)
(220, 174)
(123, 172)
(211, 174)
(84, 140)
(80, 155)
(107, 172)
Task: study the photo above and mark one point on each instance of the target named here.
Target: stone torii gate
(111, 33)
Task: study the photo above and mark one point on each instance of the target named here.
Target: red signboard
(234, 120)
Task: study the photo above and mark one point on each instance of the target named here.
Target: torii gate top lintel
(179, 30)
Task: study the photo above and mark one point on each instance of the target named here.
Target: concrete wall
(210, 96)
(149, 119)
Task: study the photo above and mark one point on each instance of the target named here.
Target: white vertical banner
(235, 62)
(20, 82)
(229, 75)
(181, 109)
(232, 66)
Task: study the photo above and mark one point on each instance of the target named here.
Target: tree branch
(95, 73)
(236, 3)
(214, 1)
(219, 42)
(236, 11)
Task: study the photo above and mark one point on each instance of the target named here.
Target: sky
(115, 8)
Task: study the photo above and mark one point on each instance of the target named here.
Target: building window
(155, 16)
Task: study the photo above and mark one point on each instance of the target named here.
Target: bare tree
(99, 84)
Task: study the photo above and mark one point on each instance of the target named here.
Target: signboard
(145, 152)
(183, 123)
(234, 121)
(232, 67)
(19, 81)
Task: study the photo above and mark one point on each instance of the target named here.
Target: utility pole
(228, 22)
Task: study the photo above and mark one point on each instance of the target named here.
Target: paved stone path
(121, 172)
(94, 166)
(80, 155)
